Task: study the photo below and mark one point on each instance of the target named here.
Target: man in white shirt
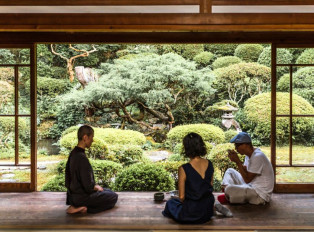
(254, 182)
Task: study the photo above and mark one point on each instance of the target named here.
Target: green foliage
(243, 80)
(6, 57)
(307, 57)
(283, 57)
(172, 167)
(104, 172)
(257, 114)
(7, 128)
(221, 49)
(209, 133)
(302, 82)
(296, 52)
(117, 145)
(125, 154)
(144, 177)
(128, 85)
(50, 86)
(229, 134)
(220, 159)
(249, 52)
(204, 58)
(56, 184)
(70, 130)
(226, 61)
(187, 51)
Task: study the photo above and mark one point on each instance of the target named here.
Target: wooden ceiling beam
(96, 2)
(148, 2)
(84, 19)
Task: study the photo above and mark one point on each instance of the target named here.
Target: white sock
(223, 210)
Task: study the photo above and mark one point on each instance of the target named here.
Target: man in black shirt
(83, 195)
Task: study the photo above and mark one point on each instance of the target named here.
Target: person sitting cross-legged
(83, 195)
(254, 182)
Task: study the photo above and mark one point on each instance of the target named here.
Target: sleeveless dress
(197, 206)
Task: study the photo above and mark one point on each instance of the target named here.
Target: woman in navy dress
(196, 201)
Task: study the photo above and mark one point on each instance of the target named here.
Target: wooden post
(205, 6)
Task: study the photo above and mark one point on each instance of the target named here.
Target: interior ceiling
(155, 9)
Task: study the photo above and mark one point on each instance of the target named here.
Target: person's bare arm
(181, 183)
(247, 176)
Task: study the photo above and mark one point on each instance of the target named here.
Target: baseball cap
(242, 137)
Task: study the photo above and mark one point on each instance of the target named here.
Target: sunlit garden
(142, 100)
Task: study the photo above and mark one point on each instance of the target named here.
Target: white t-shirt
(263, 183)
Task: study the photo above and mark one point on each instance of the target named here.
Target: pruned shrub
(220, 159)
(302, 82)
(187, 51)
(225, 61)
(204, 58)
(283, 57)
(209, 133)
(229, 134)
(248, 52)
(240, 81)
(125, 154)
(144, 177)
(108, 137)
(257, 115)
(307, 57)
(172, 167)
(56, 184)
(104, 173)
(50, 86)
(221, 49)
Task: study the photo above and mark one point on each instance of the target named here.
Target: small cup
(159, 196)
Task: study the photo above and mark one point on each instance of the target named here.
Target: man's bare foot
(73, 209)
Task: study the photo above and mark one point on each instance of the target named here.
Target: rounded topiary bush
(220, 159)
(144, 177)
(103, 139)
(229, 134)
(249, 52)
(257, 115)
(302, 81)
(204, 58)
(117, 136)
(283, 57)
(221, 49)
(209, 133)
(307, 57)
(225, 61)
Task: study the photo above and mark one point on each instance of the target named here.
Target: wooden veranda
(137, 211)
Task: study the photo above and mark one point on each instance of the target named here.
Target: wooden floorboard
(138, 211)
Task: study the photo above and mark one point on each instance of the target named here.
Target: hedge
(144, 177)
(249, 52)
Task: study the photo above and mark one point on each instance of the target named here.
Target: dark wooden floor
(138, 211)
